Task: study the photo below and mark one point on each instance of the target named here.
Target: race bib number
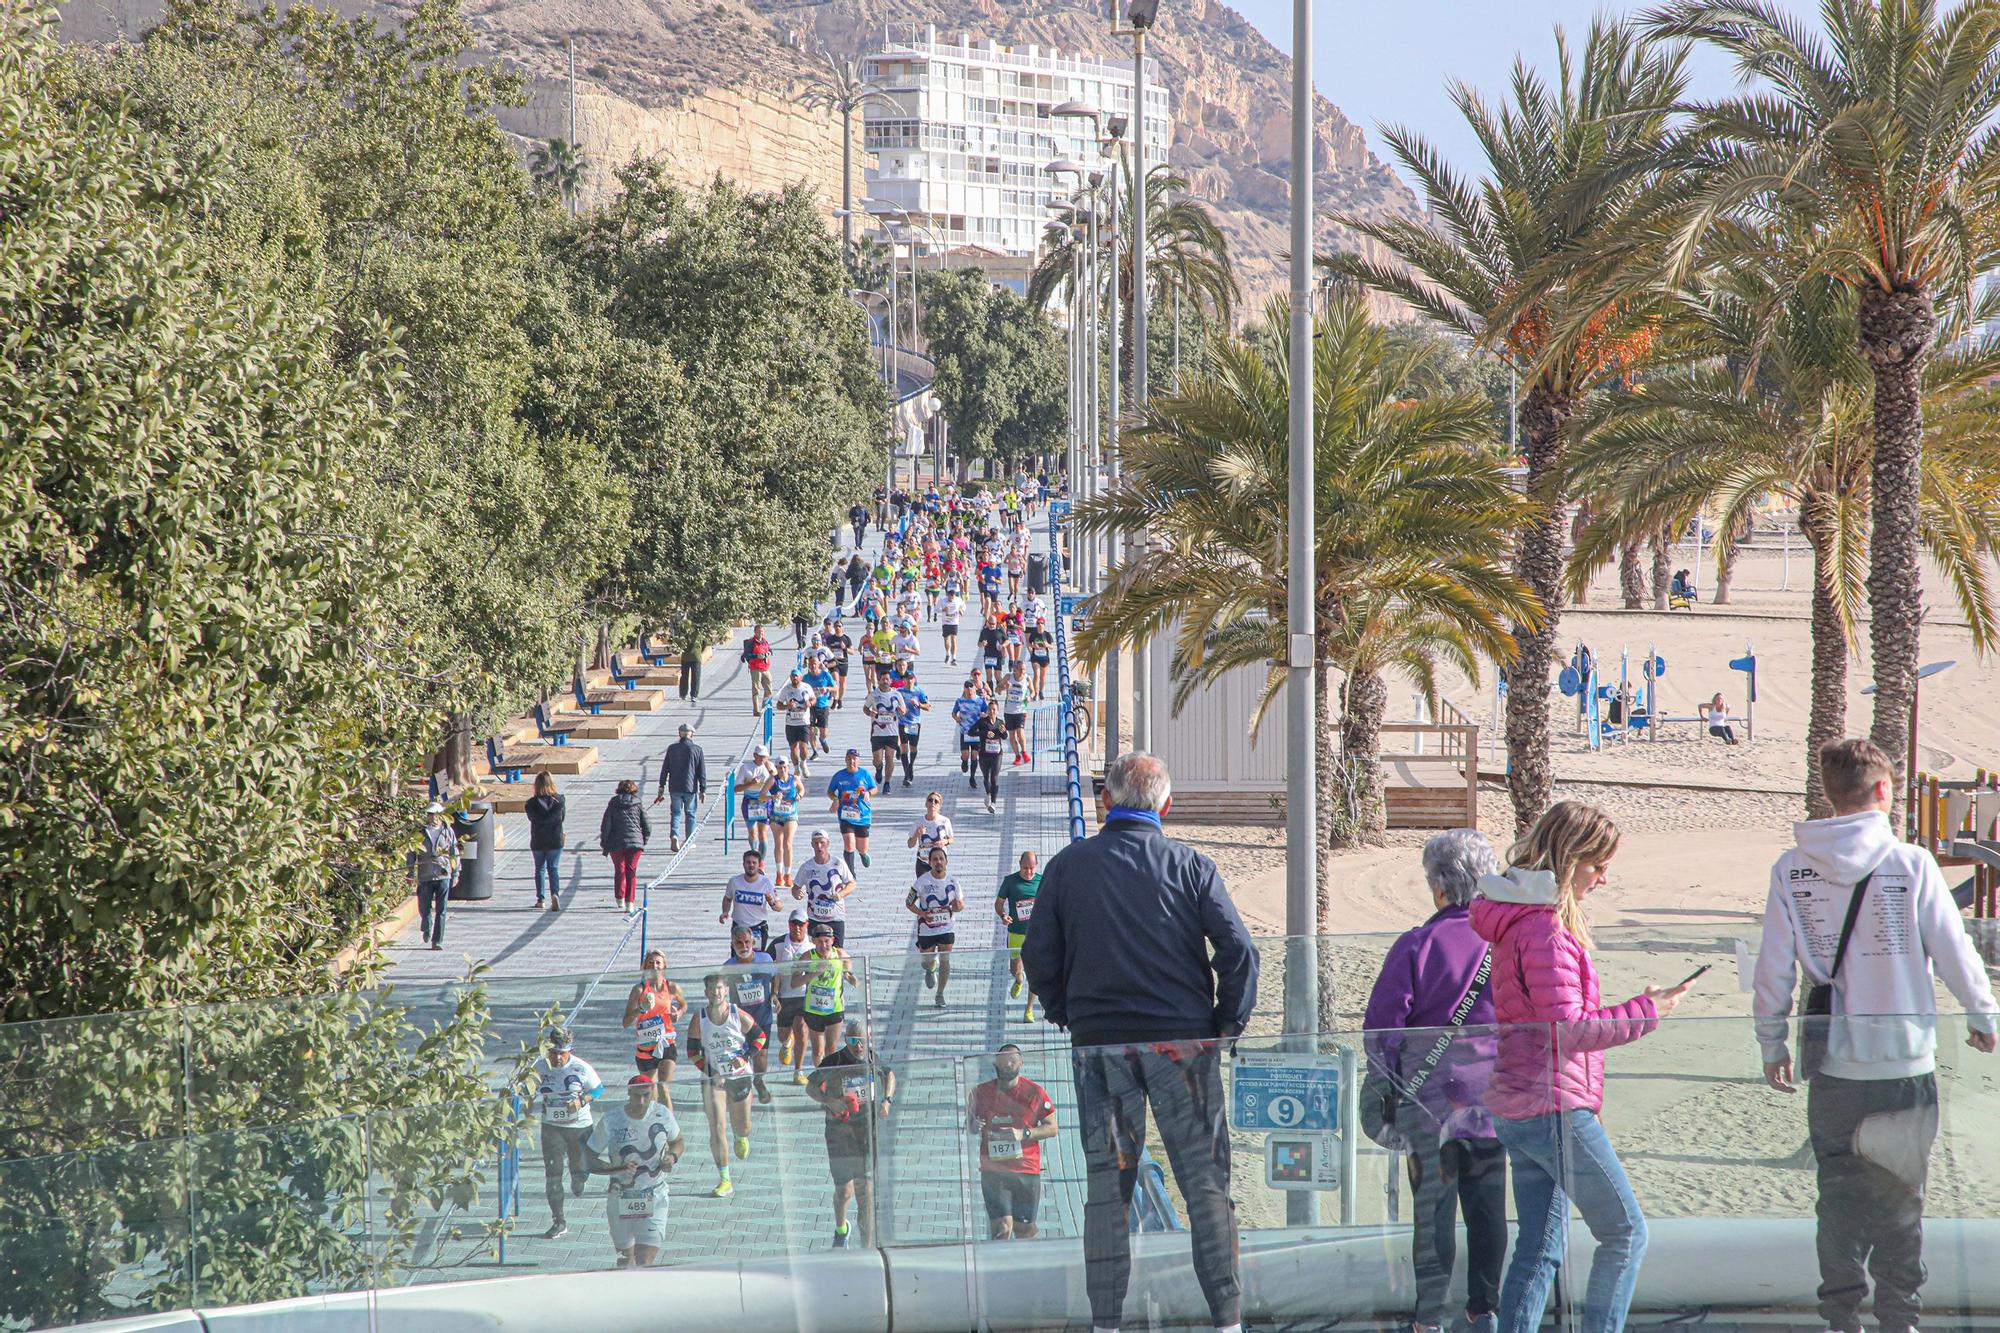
(635, 1202)
(652, 1030)
(562, 1113)
(1024, 908)
(912, 727)
(784, 807)
(1001, 1147)
(750, 994)
(821, 997)
(993, 747)
(936, 917)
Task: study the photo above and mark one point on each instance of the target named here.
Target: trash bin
(475, 853)
(1038, 572)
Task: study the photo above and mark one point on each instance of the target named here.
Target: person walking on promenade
(690, 682)
(1145, 1020)
(757, 661)
(1870, 919)
(433, 865)
(1545, 1101)
(545, 810)
(1425, 1090)
(622, 834)
(683, 776)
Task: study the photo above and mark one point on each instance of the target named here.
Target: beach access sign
(1285, 1090)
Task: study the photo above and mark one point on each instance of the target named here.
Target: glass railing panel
(445, 1189)
(279, 1212)
(71, 1084)
(94, 1235)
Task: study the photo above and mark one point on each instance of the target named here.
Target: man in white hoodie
(1871, 1108)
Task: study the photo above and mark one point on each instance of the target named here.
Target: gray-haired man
(684, 776)
(1118, 949)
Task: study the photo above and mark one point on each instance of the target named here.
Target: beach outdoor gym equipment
(1655, 666)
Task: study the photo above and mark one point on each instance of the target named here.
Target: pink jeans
(625, 875)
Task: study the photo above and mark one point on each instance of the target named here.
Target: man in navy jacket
(1119, 949)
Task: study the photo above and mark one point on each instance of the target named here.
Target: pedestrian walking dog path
(583, 960)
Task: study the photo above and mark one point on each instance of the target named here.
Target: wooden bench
(583, 727)
(509, 765)
(597, 701)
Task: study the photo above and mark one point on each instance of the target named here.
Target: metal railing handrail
(1066, 689)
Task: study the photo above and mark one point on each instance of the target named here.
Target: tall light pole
(1301, 703)
(1140, 13)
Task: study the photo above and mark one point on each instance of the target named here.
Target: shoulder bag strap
(1466, 1005)
(1847, 926)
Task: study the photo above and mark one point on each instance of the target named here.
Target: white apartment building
(963, 132)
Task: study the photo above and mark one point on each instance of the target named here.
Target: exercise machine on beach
(1631, 713)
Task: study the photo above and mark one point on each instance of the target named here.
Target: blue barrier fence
(1066, 688)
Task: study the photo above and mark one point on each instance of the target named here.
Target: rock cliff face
(723, 86)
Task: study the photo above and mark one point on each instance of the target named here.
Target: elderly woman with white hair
(1430, 1052)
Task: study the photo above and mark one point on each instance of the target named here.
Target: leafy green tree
(1881, 132)
(744, 298)
(1516, 259)
(1414, 522)
(1000, 367)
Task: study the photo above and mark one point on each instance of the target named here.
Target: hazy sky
(1387, 63)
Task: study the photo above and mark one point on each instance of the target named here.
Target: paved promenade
(583, 960)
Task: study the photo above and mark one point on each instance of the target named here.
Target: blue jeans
(681, 807)
(432, 896)
(548, 861)
(1556, 1159)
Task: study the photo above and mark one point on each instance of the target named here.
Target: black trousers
(691, 678)
(563, 1145)
(989, 768)
(1456, 1176)
(1872, 1139)
(1182, 1083)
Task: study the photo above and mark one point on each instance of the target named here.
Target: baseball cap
(818, 835)
(798, 914)
(434, 808)
(821, 928)
(853, 753)
(759, 751)
(639, 1081)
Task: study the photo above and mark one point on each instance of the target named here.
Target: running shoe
(763, 1093)
(1028, 1012)
(557, 1230)
(1015, 993)
(939, 1002)
(743, 1147)
(840, 1238)
(930, 979)
(799, 1079)
(864, 861)
(723, 1189)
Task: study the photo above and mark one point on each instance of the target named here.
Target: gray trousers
(1872, 1139)
(1181, 1082)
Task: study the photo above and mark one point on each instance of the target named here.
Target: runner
(824, 883)
(1015, 905)
(915, 704)
(749, 899)
(1017, 560)
(857, 576)
(991, 734)
(838, 647)
(847, 793)
(836, 575)
(565, 1086)
(885, 709)
(992, 648)
(825, 687)
(721, 1041)
(757, 660)
(636, 1145)
(1015, 713)
(966, 710)
(651, 1011)
(950, 611)
(787, 949)
(1011, 1117)
(797, 699)
(934, 900)
(826, 975)
(753, 981)
(883, 640)
(856, 1091)
(781, 807)
(752, 775)
(933, 830)
(1041, 648)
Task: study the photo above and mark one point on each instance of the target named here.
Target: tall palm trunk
(1361, 745)
(1739, 532)
(1579, 521)
(1662, 568)
(1631, 579)
(1827, 720)
(1896, 333)
(1538, 561)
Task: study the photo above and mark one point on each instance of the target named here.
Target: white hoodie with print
(1884, 1003)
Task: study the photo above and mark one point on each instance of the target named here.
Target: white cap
(759, 752)
(434, 808)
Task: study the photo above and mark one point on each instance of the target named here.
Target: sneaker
(930, 979)
(436, 947)
(799, 1079)
(864, 861)
(785, 1051)
(555, 904)
(939, 1002)
(541, 902)
(763, 1095)
(906, 782)
(1015, 993)
(579, 1186)
(743, 1149)
(989, 805)
(557, 1230)
(673, 844)
(840, 1238)
(723, 1189)
(1028, 1014)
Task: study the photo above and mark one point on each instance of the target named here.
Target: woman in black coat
(545, 811)
(623, 834)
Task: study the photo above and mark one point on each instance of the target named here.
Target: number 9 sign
(1286, 1112)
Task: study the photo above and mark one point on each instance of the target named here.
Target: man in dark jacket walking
(684, 775)
(1118, 949)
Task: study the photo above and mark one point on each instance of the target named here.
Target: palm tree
(1798, 427)
(1882, 134)
(1187, 259)
(1503, 259)
(1414, 521)
(846, 92)
(558, 166)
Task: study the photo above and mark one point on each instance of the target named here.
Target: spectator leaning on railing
(1430, 1055)
(1118, 949)
(1870, 920)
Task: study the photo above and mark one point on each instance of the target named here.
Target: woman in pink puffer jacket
(1548, 1075)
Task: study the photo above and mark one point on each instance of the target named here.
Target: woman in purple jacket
(1430, 1053)
(1548, 1073)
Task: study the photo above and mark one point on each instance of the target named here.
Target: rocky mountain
(724, 86)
